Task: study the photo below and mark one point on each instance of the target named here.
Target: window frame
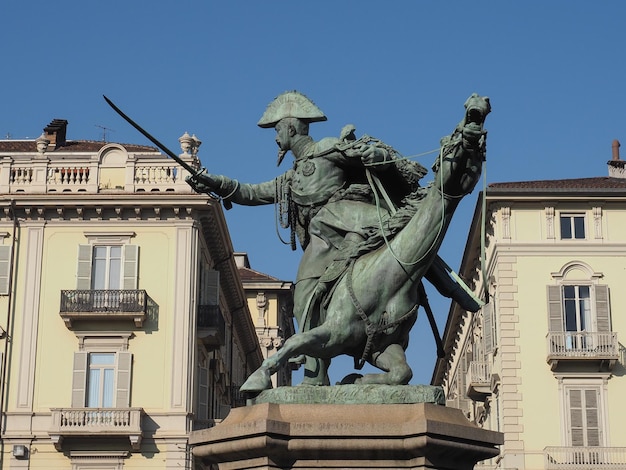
(599, 312)
(572, 217)
(106, 343)
(129, 270)
(104, 384)
(599, 387)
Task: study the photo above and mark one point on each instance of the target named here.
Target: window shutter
(488, 327)
(131, 257)
(79, 379)
(5, 268)
(555, 308)
(603, 317)
(462, 378)
(203, 391)
(124, 363)
(213, 287)
(83, 271)
(592, 417)
(576, 418)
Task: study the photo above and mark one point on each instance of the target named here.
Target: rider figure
(324, 198)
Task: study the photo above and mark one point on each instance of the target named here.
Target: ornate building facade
(543, 361)
(270, 301)
(125, 324)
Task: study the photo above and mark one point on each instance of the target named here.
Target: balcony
(581, 346)
(103, 305)
(211, 326)
(96, 422)
(585, 458)
(80, 171)
(478, 380)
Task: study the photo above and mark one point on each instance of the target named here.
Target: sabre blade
(167, 151)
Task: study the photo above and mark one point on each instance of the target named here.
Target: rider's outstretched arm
(231, 190)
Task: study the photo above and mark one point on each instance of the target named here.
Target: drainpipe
(7, 339)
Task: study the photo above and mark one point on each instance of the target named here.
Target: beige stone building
(124, 321)
(543, 361)
(270, 301)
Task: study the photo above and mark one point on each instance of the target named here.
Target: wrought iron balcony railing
(101, 422)
(211, 325)
(582, 345)
(104, 305)
(585, 458)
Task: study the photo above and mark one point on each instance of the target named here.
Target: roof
(250, 275)
(577, 184)
(30, 146)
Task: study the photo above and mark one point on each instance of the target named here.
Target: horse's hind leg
(308, 343)
(393, 361)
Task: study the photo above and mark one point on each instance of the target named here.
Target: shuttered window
(584, 417)
(213, 287)
(203, 391)
(489, 331)
(107, 267)
(101, 380)
(5, 268)
(578, 308)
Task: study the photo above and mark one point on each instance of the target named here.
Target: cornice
(123, 207)
(585, 248)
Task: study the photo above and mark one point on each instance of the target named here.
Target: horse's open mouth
(477, 108)
(475, 115)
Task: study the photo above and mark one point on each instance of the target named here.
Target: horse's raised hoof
(259, 380)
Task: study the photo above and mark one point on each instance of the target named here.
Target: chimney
(616, 165)
(55, 133)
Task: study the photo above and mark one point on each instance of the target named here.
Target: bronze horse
(374, 305)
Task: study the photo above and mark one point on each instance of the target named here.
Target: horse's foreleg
(307, 342)
(393, 361)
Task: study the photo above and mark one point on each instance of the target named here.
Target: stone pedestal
(345, 436)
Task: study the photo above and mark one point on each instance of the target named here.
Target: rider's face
(283, 135)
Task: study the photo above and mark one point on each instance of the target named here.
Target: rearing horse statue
(373, 306)
(357, 289)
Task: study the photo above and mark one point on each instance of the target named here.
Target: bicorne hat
(290, 104)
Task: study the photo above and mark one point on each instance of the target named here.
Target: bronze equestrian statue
(369, 232)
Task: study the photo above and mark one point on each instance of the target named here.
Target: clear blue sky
(398, 70)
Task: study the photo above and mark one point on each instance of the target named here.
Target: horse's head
(476, 110)
(464, 151)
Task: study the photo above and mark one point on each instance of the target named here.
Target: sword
(167, 151)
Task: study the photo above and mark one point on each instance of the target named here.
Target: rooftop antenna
(8, 136)
(104, 131)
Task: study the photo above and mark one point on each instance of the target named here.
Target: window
(102, 371)
(489, 327)
(578, 307)
(583, 420)
(5, 268)
(584, 425)
(572, 226)
(101, 380)
(579, 321)
(107, 267)
(203, 392)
